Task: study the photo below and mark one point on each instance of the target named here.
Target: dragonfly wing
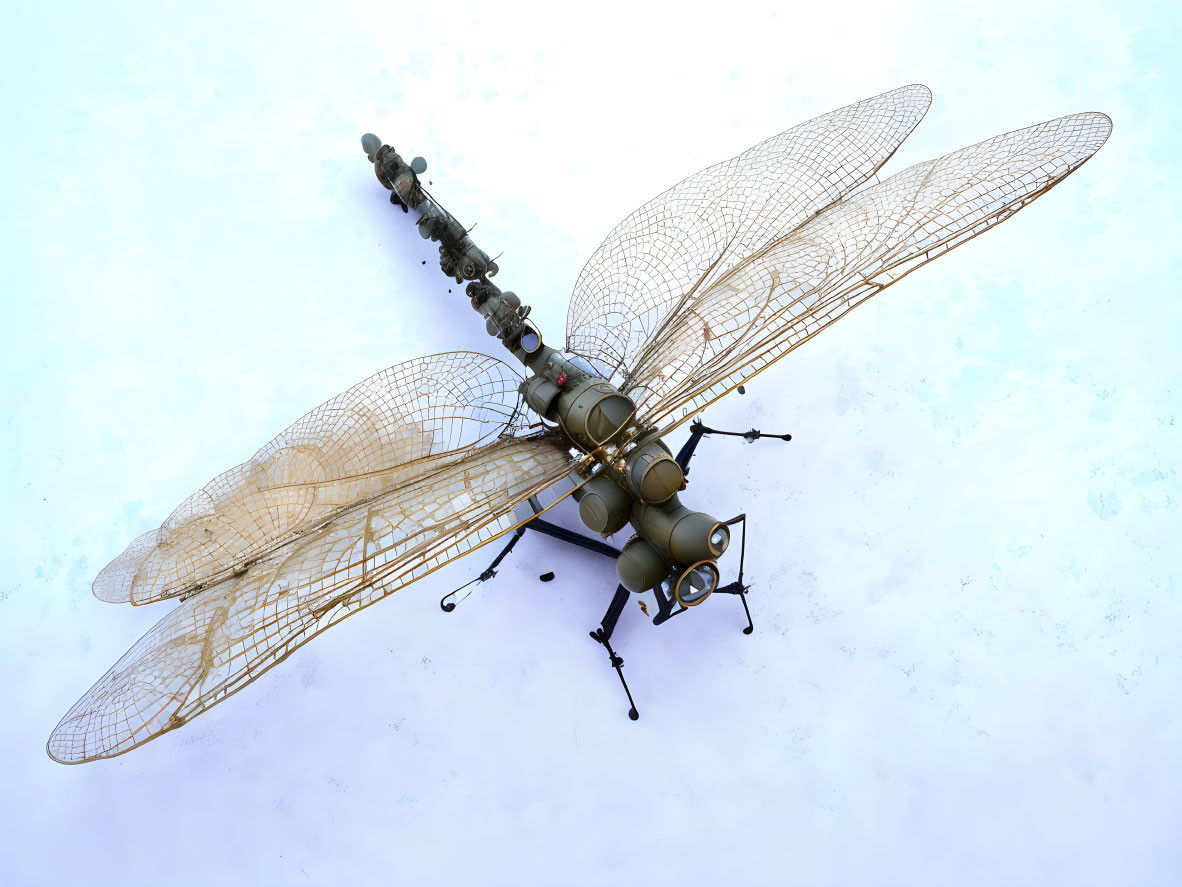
(364, 441)
(760, 311)
(696, 232)
(217, 642)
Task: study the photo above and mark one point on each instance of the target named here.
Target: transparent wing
(696, 232)
(760, 311)
(217, 642)
(361, 443)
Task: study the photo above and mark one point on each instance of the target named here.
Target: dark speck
(546, 577)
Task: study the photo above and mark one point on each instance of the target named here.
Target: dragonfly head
(676, 549)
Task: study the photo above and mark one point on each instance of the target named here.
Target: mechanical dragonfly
(687, 299)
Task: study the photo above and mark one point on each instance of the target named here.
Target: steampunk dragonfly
(687, 299)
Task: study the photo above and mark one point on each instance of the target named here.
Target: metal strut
(602, 635)
(448, 602)
(666, 606)
(607, 625)
(698, 431)
(737, 587)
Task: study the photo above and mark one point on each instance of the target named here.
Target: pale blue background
(966, 666)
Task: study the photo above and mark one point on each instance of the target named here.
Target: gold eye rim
(530, 328)
(677, 585)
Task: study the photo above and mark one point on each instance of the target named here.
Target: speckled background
(966, 661)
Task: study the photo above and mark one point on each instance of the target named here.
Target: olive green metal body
(634, 477)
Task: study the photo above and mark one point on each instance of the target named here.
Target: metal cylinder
(696, 537)
(682, 535)
(604, 506)
(539, 393)
(639, 567)
(594, 412)
(652, 473)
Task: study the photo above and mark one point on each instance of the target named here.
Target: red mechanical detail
(561, 380)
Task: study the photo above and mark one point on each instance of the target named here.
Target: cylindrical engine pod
(652, 473)
(502, 309)
(540, 394)
(639, 567)
(684, 536)
(604, 505)
(698, 536)
(593, 412)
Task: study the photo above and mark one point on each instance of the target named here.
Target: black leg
(603, 634)
(698, 431)
(737, 587)
(750, 625)
(448, 602)
(619, 600)
(667, 607)
(608, 624)
(564, 535)
(753, 434)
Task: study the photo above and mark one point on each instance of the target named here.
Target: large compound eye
(696, 584)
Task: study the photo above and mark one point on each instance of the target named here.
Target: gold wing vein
(363, 442)
(695, 233)
(798, 285)
(217, 642)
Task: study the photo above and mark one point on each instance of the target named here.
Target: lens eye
(530, 341)
(696, 584)
(719, 539)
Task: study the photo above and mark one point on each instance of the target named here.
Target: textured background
(966, 662)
